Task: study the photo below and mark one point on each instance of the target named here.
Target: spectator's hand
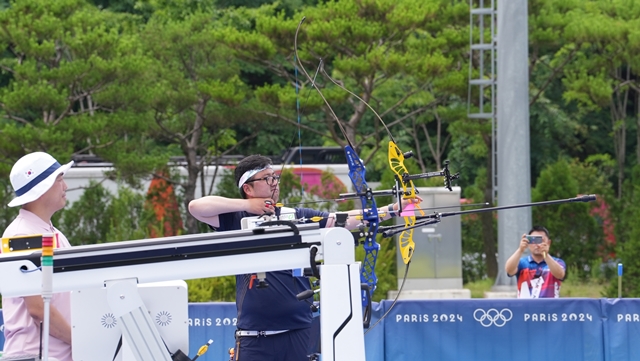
(260, 205)
(544, 247)
(524, 243)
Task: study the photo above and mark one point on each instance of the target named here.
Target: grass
(478, 288)
(571, 287)
(576, 288)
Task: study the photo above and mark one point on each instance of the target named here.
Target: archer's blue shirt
(275, 307)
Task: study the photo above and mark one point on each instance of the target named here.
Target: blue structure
(477, 329)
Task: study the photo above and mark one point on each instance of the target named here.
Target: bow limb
(357, 175)
(396, 163)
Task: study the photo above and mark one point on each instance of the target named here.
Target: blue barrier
(556, 329)
(621, 329)
(477, 329)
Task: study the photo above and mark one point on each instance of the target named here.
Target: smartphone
(534, 239)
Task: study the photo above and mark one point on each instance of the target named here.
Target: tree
(628, 237)
(471, 152)
(575, 241)
(101, 217)
(162, 201)
(402, 57)
(84, 222)
(602, 77)
(7, 214)
(70, 72)
(197, 94)
(555, 129)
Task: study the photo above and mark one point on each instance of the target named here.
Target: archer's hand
(415, 201)
(260, 206)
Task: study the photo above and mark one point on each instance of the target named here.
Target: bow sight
(445, 173)
(397, 191)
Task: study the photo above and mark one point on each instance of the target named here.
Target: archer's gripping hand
(415, 201)
(260, 206)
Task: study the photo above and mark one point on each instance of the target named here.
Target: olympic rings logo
(493, 317)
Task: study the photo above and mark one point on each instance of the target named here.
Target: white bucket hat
(33, 175)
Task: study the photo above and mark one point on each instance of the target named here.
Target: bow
(404, 189)
(357, 175)
(409, 192)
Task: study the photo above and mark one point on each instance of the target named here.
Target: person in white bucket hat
(37, 180)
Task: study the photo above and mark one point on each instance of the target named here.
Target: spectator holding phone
(539, 274)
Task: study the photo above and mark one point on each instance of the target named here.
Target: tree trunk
(193, 171)
(194, 167)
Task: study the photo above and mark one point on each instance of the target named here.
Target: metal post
(619, 280)
(514, 170)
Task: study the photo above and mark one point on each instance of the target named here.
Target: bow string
(409, 192)
(357, 175)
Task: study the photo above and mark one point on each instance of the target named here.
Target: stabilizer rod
(436, 217)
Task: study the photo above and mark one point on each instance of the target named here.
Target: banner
(212, 321)
(621, 329)
(491, 329)
(475, 329)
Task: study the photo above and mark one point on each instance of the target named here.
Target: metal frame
(120, 265)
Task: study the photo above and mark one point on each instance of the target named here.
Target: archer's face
(263, 185)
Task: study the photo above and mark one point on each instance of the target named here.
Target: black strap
(40, 354)
(118, 348)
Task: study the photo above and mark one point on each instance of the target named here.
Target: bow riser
(357, 174)
(396, 162)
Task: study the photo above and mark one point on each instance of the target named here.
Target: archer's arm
(353, 222)
(207, 209)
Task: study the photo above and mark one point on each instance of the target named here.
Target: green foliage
(195, 91)
(574, 232)
(129, 218)
(227, 186)
(479, 287)
(7, 214)
(628, 238)
(470, 147)
(474, 247)
(406, 62)
(100, 217)
(73, 82)
(593, 175)
(217, 289)
(176, 9)
(85, 222)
